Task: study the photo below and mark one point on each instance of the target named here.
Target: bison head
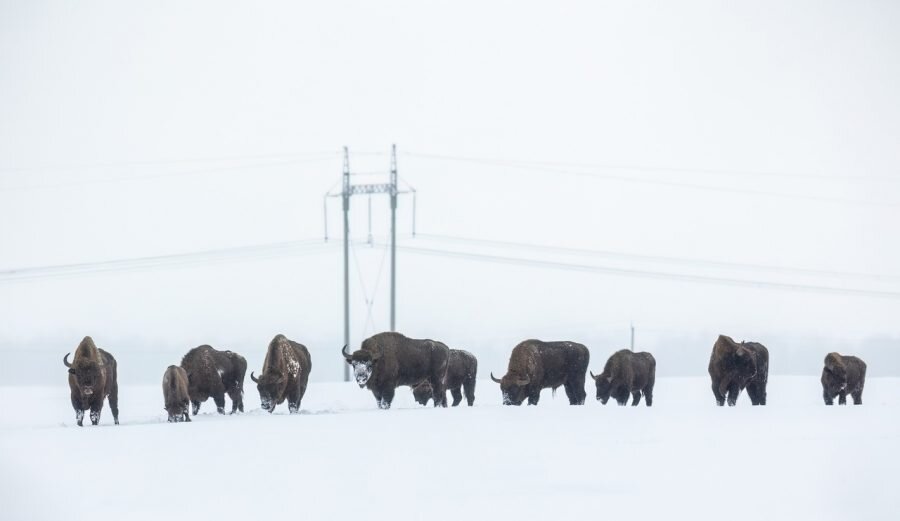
(513, 387)
(270, 387)
(604, 386)
(363, 362)
(422, 392)
(88, 375)
(835, 371)
(176, 410)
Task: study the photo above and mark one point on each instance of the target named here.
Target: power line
(651, 274)
(654, 258)
(82, 182)
(150, 162)
(258, 251)
(674, 184)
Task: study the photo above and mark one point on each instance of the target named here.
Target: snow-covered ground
(684, 458)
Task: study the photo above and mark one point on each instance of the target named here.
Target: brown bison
(175, 394)
(284, 374)
(627, 373)
(461, 373)
(535, 365)
(92, 377)
(214, 373)
(842, 375)
(388, 360)
(734, 366)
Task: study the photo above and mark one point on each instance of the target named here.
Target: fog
(698, 169)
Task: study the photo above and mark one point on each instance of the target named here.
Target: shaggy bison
(388, 360)
(536, 365)
(842, 375)
(284, 374)
(627, 373)
(215, 373)
(461, 373)
(92, 377)
(734, 366)
(175, 394)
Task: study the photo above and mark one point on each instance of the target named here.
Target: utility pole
(345, 197)
(632, 336)
(347, 191)
(393, 236)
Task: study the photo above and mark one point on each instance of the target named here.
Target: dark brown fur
(214, 373)
(842, 375)
(388, 360)
(285, 374)
(535, 365)
(627, 373)
(175, 394)
(461, 373)
(734, 366)
(92, 377)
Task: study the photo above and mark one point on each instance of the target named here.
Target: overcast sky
(763, 134)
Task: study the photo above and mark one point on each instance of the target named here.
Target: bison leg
(534, 397)
(720, 396)
(576, 396)
(79, 410)
(195, 407)
(751, 392)
(114, 402)
(184, 413)
(842, 397)
(95, 413)
(237, 400)
(857, 397)
(79, 417)
(386, 398)
(456, 392)
(219, 398)
(635, 397)
(440, 397)
(733, 392)
(828, 396)
(469, 389)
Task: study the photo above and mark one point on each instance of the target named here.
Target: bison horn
(345, 353)
(255, 379)
(494, 379)
(66, 360)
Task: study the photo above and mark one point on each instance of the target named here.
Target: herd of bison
(388, 360)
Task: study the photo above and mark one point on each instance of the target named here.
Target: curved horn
(593, 375)
(494, 379)
(345, 353)
(66, 360)
(255, 379)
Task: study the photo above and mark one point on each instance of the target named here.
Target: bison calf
(461, 373)
(284, 374)
(734, 366)
(214, 373)
(92, 377)
(536, 365)
(842, 375)
(175, 394)
(627, 374)
(388, 360)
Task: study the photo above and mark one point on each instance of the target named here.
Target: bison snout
(87, 391)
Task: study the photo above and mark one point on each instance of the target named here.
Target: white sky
(102, 104)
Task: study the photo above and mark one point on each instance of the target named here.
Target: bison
(627, 373)
(461, 372)
(214, 373)
(92, 377)
(734, 366)
(175, 394)
(842, 375)
(284, 374)
(388, 360)
(535, 365)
